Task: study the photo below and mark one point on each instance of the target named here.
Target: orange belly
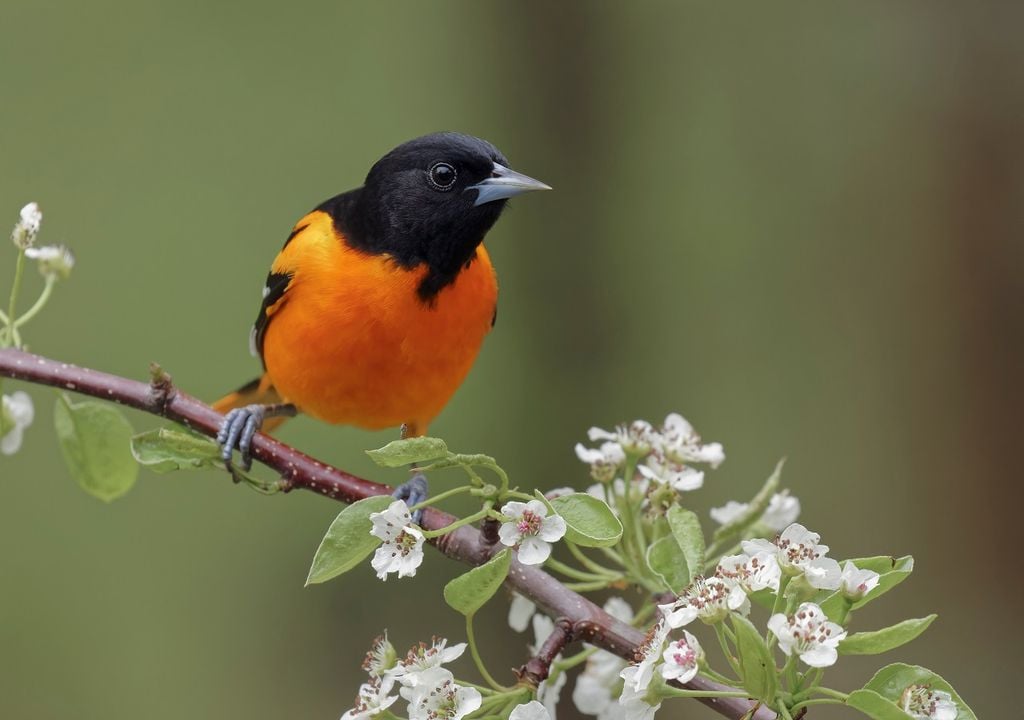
(352, 342)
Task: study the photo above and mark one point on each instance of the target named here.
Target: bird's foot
(241, 425)
(413, 492)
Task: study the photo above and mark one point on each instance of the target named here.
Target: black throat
(446, 244)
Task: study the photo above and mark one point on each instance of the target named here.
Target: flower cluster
(402, 548)
(665, 454)
(428, 687)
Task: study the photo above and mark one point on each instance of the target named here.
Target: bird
(376, 307)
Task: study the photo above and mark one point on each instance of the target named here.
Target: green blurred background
(800, 225)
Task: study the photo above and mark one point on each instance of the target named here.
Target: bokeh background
(800, 225)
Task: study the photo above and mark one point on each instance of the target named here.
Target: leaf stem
(569, 571)
(11, 338)
(441, 496)
(468, 520)
(670, 691)
(588, 563)
(475, 652)
(841, 696)
(720, 633)
(769, 636)
(588, 586)
(573, 660)
(819, 701)
(44, 296)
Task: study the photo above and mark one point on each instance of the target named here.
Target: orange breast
(351, 342)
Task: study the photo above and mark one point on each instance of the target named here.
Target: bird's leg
(241, 424)
(414, 490)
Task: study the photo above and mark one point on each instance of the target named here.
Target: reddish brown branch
(586, 620)
(537, 669)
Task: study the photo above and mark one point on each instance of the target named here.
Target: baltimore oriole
(376, 306)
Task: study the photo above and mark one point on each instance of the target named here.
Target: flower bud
(27, 227)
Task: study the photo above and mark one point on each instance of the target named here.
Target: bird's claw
(237, 430)
(413, 492)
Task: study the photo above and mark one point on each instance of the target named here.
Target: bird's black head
(431, 200)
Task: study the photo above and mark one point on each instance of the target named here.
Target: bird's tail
(255, 392)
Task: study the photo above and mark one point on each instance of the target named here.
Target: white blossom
(549, 692)
(373, 698)
(746, 574)
(531, 530)
(520, 611)
(798, 553)
(637, 438)
(532, 710)
(381, 658)
(680, 443)
(27, 227)
(592, 695)
(710, 599)
(423, 659)
(604, 461)
(855, 583)
(402, 549)
(808, 633)
(681, 659)
(16, 414)
(54, 260)
(634, 704)
(638, 676)
(681, 478)
(783, 510)
(924, 703)
(438, 697)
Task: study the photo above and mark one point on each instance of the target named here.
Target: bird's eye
(441, 176)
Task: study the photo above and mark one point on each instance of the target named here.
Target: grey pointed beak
(504, 183)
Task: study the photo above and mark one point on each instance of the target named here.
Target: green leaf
(469, 592)
(892, 680)
(409, 451)
(892, 571)
(886, 639)
(666, 560)
(900, 571)
(95, 442)
(589, 521)
(165, 450)
(760, 678)
(880, 564)
(755, 509)
(875, 706)
(348, 540)
(686, 530)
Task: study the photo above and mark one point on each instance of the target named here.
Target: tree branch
(587, 621)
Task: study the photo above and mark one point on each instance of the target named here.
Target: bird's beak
(504, 183)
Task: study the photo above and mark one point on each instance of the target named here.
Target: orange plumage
(351, 342)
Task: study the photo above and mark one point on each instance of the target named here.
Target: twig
(588, 622)
(537, 668)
